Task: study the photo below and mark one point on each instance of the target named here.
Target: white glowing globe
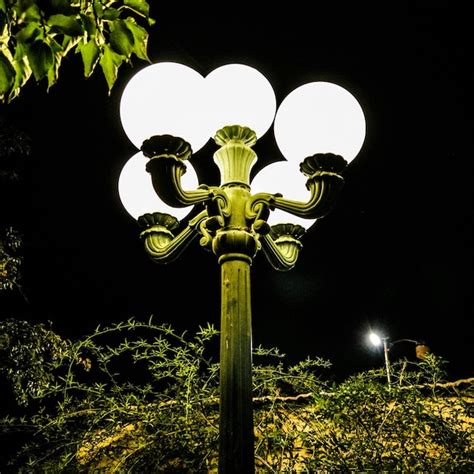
(138, 195)
(319, 117)
(165, 98)
(283, 177)
(375, 339)
(240, 95)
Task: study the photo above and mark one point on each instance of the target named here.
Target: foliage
(10, 259)
(361, 425)
(162, 412)
(35, 37)
(138, 397)
(15, 148)
(29, 354)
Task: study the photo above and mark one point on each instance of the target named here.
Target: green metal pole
(235, 245)
(236, 447)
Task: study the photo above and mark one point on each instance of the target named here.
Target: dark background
(396, 252)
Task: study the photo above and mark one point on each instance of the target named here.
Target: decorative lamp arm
(282, 245)
(323, 171)
(324, 183)
(166, 166)
(324, 190)
(160, 244)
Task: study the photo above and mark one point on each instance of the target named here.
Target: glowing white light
(375, 339)
(240, 95)
(138, 195)
(165, 98)
(284, 178)
(319, 117)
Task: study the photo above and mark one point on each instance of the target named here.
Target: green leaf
(140, 6)
(40, 58)
(89, 24)
(3, 7)
(29, 33)
(140, 39)
(53, 71)
(121, 38)
(7, 74)
(98, 8)
(90, 54)
(32, 13)
(110, 62)
(110, 14)
(65, 24)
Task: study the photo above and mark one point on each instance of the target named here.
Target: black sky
(395, 253)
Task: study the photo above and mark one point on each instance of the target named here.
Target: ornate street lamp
(169, 111)
(421, 349)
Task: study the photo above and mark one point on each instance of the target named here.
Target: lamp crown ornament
(235, 133)
(169, 112)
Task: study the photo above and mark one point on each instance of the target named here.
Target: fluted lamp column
(250, 104)
(235, 105)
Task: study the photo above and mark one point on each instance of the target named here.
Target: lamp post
(169, 111)
(421, 349)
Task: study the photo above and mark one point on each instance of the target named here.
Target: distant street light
(170, 111)
(421, 349)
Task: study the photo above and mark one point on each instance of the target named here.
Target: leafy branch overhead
(35, 36)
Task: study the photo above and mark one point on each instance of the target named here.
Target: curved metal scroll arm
(160, 243)
(414, 341)
(324, 188)
(282, 245)
(324, 183)
(166, 166)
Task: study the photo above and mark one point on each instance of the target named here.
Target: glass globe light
(319, 117)
(138, 195)
(240, 95)
(375, 339)
(165, 98)
(284, 178)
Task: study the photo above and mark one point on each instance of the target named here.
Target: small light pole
(169, 112)
(421, 350)
(376, 340)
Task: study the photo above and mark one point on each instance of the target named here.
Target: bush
(138, 397)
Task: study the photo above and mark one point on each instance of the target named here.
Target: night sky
(395, 254)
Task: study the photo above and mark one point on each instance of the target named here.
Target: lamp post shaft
(235, 247)
(236, 445)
